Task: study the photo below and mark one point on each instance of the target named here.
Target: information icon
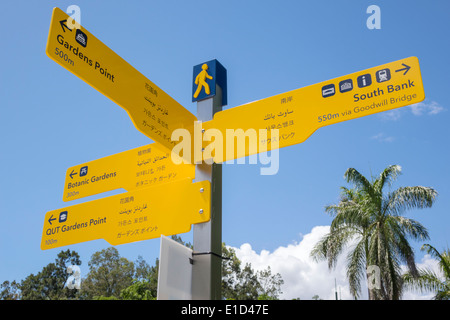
(364, 80)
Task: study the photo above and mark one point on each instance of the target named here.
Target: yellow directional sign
(138, 215)
(133, 169)
(298, 113)
(152, 111)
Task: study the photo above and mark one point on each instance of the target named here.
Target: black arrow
(50, 219)
(64, 25)
(406, 69)
(72, 174)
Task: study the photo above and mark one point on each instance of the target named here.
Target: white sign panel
(175, 271)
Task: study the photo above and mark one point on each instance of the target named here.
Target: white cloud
(303, 277)
(428, 108)
(392, 115)
(417, 109)
(381, 137)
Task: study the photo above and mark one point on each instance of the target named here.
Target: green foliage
(266, 297)
(108, 274)
(9, 291)
(112, 277)
(243, 283)
(428, 280)
(48, 284)
(270, 284)
(148, 275)
(104, 298)
(139, 290)
(374, 219)
(179, 240)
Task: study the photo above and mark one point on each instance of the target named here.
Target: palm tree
(428, 280)
(373, 223)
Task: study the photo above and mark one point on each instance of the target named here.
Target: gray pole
(207, 262)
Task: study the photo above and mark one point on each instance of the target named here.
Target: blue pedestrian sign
(205, 77)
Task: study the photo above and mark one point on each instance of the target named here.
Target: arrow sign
(73, 173)
(141, 167)
(139, 215)
(297, 114)
(63, 25)
(406, 69)
(51, 219)
(152, 111)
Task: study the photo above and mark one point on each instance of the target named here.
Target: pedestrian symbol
(200, 81)
(205, 78)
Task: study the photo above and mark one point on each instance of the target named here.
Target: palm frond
(356, 266)
(427, 280)
(401, 246)
(351, 216)
(444, 259)
(389, 175)
(353, 176)
(403, 198)
(375, 218)
(409, 227)
(332, 244)
(391, 276)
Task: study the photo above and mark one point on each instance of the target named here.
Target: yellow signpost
(152, 111)
(297, 114)
(138, 215)
(141, 167)
(161, 198)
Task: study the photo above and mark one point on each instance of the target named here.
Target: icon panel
(346, 85)
(383, 75)
(63, 216)
(364, 80)
(83, 171)
(328, 90)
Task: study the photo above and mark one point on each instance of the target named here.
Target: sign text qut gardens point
(138, 215)
(155, 114)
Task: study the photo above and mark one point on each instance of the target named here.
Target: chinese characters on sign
(133, 169)
(137, 215)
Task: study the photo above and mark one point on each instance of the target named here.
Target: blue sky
(51, 120)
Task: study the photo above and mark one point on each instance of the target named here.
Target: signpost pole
(207, 262)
